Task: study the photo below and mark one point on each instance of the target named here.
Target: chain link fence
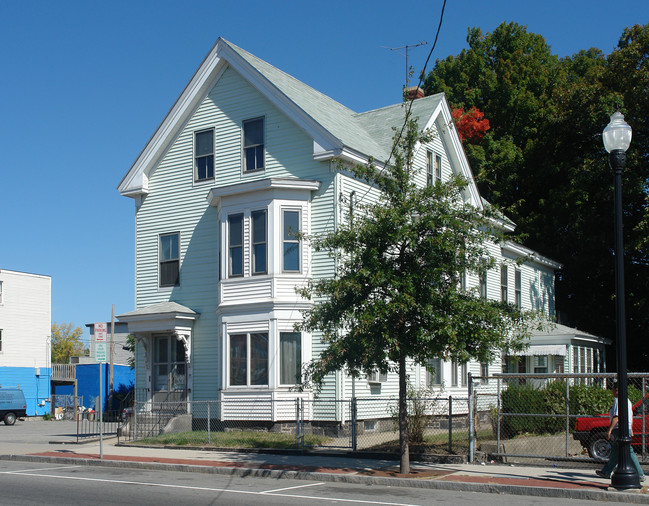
(521, 417)
(367, 424)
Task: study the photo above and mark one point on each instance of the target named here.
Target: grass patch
(436, 444)
(232, 439)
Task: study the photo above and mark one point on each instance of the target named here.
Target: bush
(550, 399)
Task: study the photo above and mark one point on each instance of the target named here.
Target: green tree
(542, 161)
(397, 295)
(130, 347)
(66, 342)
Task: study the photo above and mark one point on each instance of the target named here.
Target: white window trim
(194, 156)
(282, 210)
(167, 288)
(376, 377)
(248, 385)
(243, 147)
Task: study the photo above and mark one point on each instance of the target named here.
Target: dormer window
(204, 155)
(253, 145)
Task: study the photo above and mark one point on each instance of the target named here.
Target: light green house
(245, 157)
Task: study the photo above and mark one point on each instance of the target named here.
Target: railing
(64, 372)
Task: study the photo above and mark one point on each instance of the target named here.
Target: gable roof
(336, 130)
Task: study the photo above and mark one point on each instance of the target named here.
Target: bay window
(249, 359)
(290, 358)
(290, 242)
(258, 242)
(235, 244)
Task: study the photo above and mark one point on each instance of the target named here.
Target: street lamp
(617, 138)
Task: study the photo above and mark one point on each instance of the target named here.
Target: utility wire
(408, 112)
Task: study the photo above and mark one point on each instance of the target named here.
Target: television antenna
(406, 47)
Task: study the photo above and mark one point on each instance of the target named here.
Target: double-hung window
(253, 144)
(484, 372)
(259, 241)
(169, 260)
(454, 375)
(204, 155)
(503, 283)
(290, 241)
(430, 175)
(435, 372)
(438, 168)
(290, 358)
(517, 288)
(483, 285)
(235, 244)
(249, 359)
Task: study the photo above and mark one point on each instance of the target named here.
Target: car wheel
(10, 419)
(599, 447)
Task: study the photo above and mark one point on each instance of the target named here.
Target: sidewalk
(498, 478)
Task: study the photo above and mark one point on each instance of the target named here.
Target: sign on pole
(100, 352)
(100, 356)
(100, 332)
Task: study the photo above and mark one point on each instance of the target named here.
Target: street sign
(100, 352)
(100, 331)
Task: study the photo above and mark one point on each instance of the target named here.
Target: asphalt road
(23, 483)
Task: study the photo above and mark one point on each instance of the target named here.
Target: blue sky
(83, 86)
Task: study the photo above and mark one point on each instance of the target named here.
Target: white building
(25, 323)
(247, 154)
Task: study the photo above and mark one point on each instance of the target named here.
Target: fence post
(354, 418)
(135, 420)
(567, 417)
(209, 424)
(450, 424)
(471, 428)
(644, 419)
(498, 417)
(297, 422)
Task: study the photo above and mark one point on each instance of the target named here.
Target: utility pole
(112, 348)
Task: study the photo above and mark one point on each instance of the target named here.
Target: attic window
(253, 144)
(204, 155)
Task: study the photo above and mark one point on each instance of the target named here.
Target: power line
(412, 99)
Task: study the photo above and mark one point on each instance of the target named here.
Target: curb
(558, 493)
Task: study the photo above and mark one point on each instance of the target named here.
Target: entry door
(169, 370)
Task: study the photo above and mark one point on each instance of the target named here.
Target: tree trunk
(403, 418)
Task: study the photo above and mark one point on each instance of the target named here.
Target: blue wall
(88, 383)
(36, 388)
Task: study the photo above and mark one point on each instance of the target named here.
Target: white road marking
(208, 489)
(38, 469)
(292, 488)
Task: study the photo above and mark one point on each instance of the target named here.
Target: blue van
(12, 405)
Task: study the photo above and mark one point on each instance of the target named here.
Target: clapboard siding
(25, 319)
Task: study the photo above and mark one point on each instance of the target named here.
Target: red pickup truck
(591, 431)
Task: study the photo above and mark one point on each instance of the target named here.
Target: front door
(169, 370)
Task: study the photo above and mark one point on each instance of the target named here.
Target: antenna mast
(406, 47)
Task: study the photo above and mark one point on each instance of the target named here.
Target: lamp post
(617, 138)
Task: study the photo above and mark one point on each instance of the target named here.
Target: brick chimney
(413, 93)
